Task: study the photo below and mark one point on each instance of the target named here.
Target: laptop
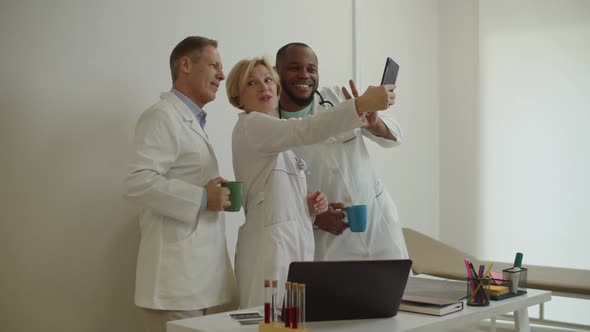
(343, 290)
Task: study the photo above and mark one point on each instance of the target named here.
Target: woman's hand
(317, 203)
(376, 98)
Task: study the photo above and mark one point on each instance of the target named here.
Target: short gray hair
(191, 47)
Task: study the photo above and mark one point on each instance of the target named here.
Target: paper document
(436, 288)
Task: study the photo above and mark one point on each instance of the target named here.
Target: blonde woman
(279, 209)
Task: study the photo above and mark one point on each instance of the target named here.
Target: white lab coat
(278, 227)
(183, 263)
(341, 168)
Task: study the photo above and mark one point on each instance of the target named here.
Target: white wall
(535, 143)
(459, 123)
(74, 77)
(514, 145)
(407, 32)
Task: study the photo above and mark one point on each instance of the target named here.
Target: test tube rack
(272, 327)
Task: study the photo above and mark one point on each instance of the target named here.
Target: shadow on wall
(73, 250)
(120, 276)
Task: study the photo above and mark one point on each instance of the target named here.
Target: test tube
(294, 303)
(302, 306)
(267, 301)
(273, 301)
(287, 305)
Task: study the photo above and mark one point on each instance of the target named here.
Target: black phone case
(390, 72)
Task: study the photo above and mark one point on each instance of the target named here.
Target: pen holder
(478, 292)
(516, 279)
(276, 327)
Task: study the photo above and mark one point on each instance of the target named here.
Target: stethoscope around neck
(322, 102)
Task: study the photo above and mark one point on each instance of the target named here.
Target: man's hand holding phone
(370, 119)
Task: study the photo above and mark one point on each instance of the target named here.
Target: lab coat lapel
(196, 127)
(187, 115)
(315, 105)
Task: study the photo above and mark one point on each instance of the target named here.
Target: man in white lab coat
(183, 266)
(340, 166)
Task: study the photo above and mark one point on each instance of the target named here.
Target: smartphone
(390, 72)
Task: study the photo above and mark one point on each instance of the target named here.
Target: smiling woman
(253, 86)
(279, 212)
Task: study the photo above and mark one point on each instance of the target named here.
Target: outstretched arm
(371, 121)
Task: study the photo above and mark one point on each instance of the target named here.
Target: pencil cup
(516, 279)
(478, 292)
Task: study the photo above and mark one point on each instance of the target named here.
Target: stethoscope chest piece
(301, 165)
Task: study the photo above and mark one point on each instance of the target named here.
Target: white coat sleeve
(268, 134)
(334, 94)
(393, 128)
(156, 148)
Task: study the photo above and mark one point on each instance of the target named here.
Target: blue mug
(356, 218)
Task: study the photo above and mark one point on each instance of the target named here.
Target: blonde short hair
(237, 80)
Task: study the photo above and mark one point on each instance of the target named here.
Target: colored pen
(481, 282)
(473, 272)
(468, 268)
(518, 260)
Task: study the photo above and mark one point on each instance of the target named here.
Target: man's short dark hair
(191, 47)
(281, 52)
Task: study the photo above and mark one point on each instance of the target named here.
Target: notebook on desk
(343, 290)
(436, 288)
(433, 296)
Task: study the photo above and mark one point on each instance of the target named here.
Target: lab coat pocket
(349, 136)
(285, 193)
(179, 266)
(254, 201)
(185, 266)
(276, 213)
(283, 246)
(288, 168)
(174, 230)
(278, 225)
(379, 188)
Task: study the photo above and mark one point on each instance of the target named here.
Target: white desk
(402, 322)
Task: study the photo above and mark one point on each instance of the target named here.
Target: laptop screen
(343, 290)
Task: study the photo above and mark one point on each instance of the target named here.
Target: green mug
(235, 195)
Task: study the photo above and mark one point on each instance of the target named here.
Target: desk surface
(402, 322)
